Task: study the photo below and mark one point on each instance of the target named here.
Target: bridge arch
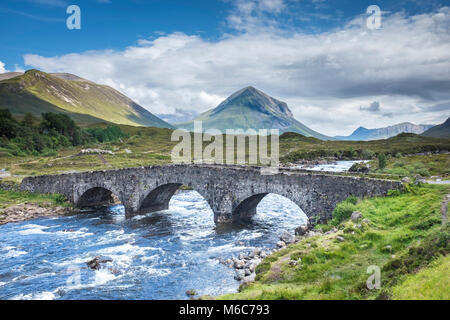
(96, 195)
(158, 198)
(247, 207)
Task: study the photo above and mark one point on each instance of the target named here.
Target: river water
(156, 256)
(338, 166)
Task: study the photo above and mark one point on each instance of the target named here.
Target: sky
(178, 58)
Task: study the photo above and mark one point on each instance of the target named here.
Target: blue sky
(182, 57)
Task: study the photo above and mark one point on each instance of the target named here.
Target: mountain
(9, 75)
(439, 131)
(364, 134)
(85, 101)
(250, 108)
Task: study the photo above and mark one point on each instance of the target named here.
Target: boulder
(360, 167)
(240, 274)
(191, 292)
(239, 264)
(249, 278)
(96, 263)
(406, 180)
(257, 252)
(281, 244)
(420, 181)
(301, 230)
(340, 238)
(287, 238)
(254, 264)
(356, 216)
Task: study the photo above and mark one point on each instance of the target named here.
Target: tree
(29, 120)
(9, 127)
(381, 161)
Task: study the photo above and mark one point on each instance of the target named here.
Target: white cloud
(2, 67)
(255, 15)
(324, 78)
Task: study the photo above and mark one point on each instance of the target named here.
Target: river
(156, 256)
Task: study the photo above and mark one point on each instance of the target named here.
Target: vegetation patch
(431, 283)
(11, 198)
(403, 238)
(55, 131)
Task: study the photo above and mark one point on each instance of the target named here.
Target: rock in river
(287, 238)
(96, 263)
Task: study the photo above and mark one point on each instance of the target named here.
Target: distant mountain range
(439, 131)
(250, 108)
(86, 102)
(364, 134)
(37, 92)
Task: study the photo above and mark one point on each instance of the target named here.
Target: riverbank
(402, 236)
(16, 206)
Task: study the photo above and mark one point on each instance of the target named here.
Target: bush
(344, 210)
(382, 162)
(60, 199)
(400, 171)
(262, 268)
(352, 199)
(423, 172)
(399, 164)
(367, 154)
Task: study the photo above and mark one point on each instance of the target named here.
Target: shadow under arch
(97, 196)
(158, 199)
(248, 208)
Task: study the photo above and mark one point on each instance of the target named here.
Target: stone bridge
(233, 192)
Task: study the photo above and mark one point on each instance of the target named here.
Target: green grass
(405, 231)
(432, 283)
(424, 165)
(11, 198)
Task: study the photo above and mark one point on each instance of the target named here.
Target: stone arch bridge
(233, 192)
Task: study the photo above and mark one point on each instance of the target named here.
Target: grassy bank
(429, 283)
(11, 198)
(404, 236)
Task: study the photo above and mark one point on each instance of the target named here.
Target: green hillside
(85, 101)
(439, 131)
